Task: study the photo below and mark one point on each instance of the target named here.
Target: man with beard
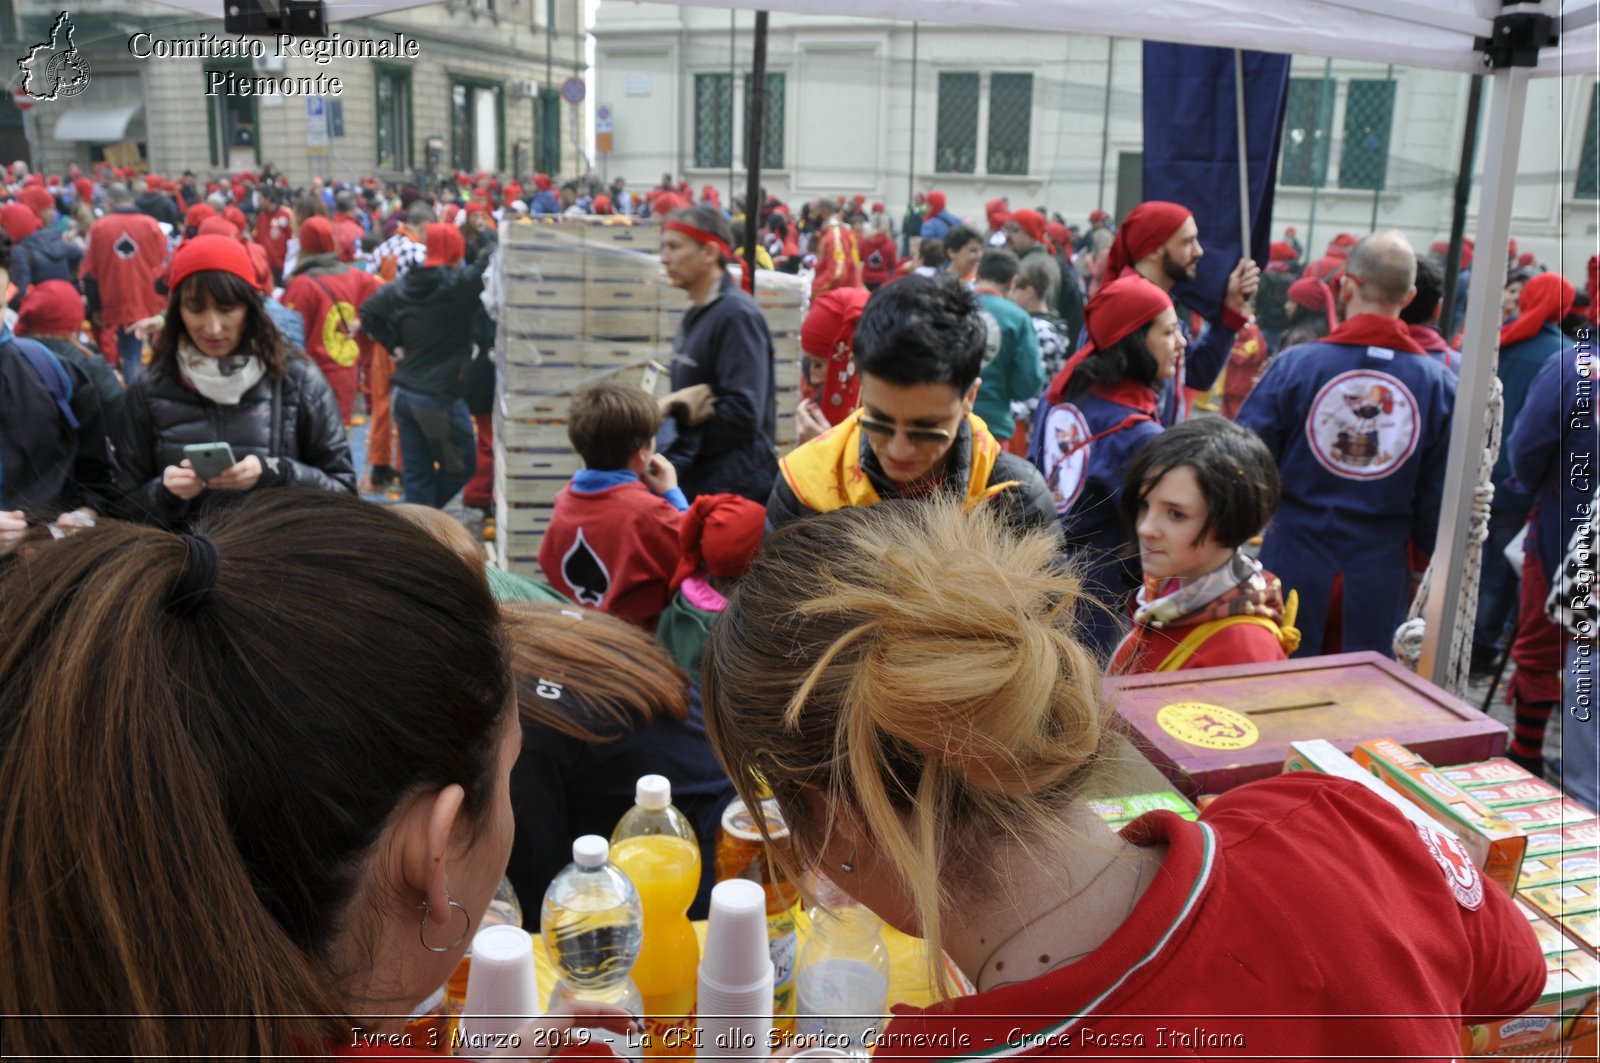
(1161, 242)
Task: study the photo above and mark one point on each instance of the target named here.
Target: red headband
(703, 237)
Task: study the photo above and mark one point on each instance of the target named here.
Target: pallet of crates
(782, 298)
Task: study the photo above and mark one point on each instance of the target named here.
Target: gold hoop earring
(422, 932)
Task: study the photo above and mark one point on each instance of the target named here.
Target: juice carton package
(1117, 811)
(1585, 927)
(1529, 791)
(1557, 868)
(1496, 846)
(1567, 899)
(1571, 979)
(1485, 773)
(1561, 811)
(1545, 839)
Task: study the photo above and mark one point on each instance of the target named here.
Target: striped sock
(1527, 737)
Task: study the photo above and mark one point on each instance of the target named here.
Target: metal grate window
(1588, 186)
(956, 144)
(713, 120)
(1010, 118)
(772, 135)
(1368, 115)
(1307, 115)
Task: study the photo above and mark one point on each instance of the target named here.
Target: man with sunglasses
(918, 350)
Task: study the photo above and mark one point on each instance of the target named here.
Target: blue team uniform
(1360, 425)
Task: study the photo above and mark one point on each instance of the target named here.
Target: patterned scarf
(1240, 587)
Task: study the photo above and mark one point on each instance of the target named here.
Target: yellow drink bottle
(655, 846)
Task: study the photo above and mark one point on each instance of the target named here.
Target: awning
(101, 123)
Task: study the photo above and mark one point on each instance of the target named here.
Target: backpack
(52, 373)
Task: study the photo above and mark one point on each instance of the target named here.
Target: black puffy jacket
(43, 256)
(162, 414)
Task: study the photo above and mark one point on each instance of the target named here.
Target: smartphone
(209, 459)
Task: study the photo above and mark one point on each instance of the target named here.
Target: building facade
(475, 85)
(882, 109)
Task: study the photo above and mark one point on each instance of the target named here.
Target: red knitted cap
(200, 254)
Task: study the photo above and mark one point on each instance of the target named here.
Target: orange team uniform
(330, 305)
(838, 260)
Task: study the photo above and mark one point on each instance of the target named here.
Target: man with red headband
(1360, 425)
(838, 253)
(127, 252)
(1161, 242)
(722, 348)
(423, 320)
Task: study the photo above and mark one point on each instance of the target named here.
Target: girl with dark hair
(1102, 410)
(221, 373)
(1194, 496)
(601, 705)
(236, 829)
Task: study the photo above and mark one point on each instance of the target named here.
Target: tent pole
(1509, 100)
(1319, 154)
(1244, 153)
(1105, 124)
(1458, 213)
(1378, 188)
(911, 146)
(755, 144)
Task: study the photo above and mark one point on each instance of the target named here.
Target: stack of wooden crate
(583, 299)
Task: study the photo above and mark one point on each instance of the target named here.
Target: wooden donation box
(1211, 729)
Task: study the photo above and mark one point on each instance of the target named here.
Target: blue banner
(1191, 152)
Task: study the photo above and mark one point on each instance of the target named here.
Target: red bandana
(1375, 330)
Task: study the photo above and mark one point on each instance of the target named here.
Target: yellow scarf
(826, 474)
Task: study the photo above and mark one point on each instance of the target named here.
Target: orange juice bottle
(656, 847)
(742, 854)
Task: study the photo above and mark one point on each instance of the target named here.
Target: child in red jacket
(612, 543)
(1195, 495)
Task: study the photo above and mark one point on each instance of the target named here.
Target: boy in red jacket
(612, 543)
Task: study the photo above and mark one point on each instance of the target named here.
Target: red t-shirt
(127, 253)
(614, 550)
(347, 234)
(1301, 917)
(272, 232)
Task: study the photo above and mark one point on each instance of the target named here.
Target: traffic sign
(572, 90)
(602, 118)
(21, 99)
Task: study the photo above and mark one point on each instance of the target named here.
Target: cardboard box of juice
(1567, 899)
(1119, 811)
(1557, 868)
(1559, 812)
(1496, 846)
(1546, 839)
(1529, 791)
(1571, 981)
(1325, 757)
(1485, 773)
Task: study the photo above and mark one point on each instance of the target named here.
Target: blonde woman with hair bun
(910, 684)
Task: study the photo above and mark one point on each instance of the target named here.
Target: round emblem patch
(1363, 425)
(340, 344)
(1208, 726)
(1453, 859)
(1066, 454)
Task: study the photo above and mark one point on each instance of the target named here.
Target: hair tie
(199, 576)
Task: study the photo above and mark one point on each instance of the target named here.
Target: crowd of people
(319, 730)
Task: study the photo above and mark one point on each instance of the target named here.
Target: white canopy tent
(1432, 34)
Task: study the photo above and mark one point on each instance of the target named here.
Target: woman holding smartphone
(225, 405)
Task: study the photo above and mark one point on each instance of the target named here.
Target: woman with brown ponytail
(909, 684)
(233, 825)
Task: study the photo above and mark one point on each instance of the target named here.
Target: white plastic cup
(734, 1004)
(502, 986)
(736, 955)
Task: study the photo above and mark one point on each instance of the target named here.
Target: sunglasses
(922, 437)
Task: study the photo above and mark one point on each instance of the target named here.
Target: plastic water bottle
(592, 925)
(655, 845)
(843, 972)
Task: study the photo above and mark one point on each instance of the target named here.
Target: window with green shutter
(772, 132)
(956, 143)
(1368, 115)
(1588, 186)
(713, 120)
(1307, 116)
(1010, 120)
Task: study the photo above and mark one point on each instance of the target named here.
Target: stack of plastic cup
(502, 988)
(735, 994)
